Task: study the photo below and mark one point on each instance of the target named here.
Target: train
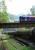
(24, 35)
(27, 36)
(27, 18)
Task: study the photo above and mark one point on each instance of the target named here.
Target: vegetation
(33, 10)
(11, 44)
(3, 14)
(3, 17)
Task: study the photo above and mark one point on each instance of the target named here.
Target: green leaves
(33, 10)
(3, 17)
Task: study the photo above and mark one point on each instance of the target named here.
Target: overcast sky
(17, 7)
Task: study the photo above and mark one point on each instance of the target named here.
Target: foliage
(3, 14)
(3, 17)
(33, 10)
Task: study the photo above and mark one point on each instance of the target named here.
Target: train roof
(27, 16)
(11, 30)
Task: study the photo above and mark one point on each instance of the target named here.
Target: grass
(9, 46)
(13, 45)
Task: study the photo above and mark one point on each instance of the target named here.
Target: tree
(33, 10)
(3, 17)
(3, 14)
